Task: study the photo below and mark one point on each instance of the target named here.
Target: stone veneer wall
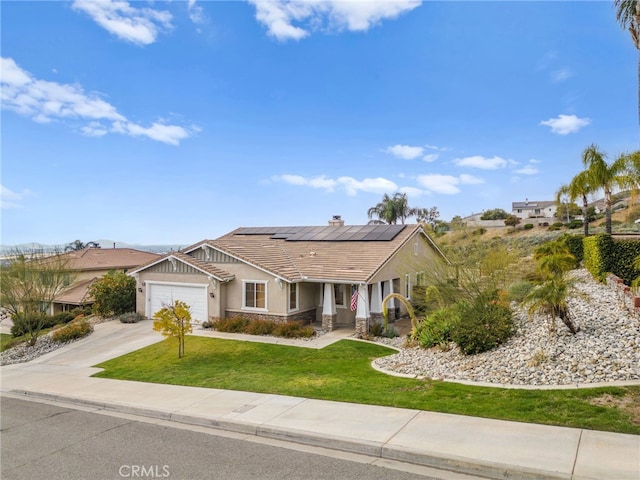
(308, 316)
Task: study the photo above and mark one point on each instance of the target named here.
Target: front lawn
(342, 372)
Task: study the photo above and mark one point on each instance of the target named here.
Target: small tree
(114, 294)
(174, 321)
(28, 286)
(494, 214)
(511, 221)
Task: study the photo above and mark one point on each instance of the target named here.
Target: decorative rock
(606, 349)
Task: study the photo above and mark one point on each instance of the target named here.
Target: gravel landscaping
(606, 349)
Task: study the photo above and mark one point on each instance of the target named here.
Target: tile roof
(77, 294)
(350, 260)
(107, 258)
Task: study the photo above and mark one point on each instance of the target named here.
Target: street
(48, 441)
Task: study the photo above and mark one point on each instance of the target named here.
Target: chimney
(336, 221)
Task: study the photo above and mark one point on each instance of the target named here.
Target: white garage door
(163, 294)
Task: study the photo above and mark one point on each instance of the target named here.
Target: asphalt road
(48, 441)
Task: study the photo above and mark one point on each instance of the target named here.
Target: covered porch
(356, 305)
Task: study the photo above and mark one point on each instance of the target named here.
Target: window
(338, 292)
(293, 296)
(421, 279)
(255, 295)
(407, 286)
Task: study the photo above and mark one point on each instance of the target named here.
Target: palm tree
(79, 245)
(628, 15)
(579, 187)
(550, 297)
(391, 210)
(601, 175)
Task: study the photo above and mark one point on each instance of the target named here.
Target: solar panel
(351, 233)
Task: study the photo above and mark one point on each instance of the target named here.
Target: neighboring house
(291, 273)
(529, 210)
(90, 264)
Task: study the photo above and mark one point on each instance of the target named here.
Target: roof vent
(336, 221)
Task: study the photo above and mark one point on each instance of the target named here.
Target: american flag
(354, 301)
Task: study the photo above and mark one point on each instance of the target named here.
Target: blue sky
(169, 122)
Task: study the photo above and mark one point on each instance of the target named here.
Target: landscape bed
(342, 372)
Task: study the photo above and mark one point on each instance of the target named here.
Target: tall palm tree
(601, 175)
(628, 15)
(391, 210)
(579, 187)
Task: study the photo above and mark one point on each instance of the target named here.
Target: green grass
(6, 341)
(342, 372)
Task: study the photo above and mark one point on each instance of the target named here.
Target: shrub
(25, 323)
(479, 231)
(519, 290)
(573, 224)
(231, 324)
(206, 324)
(77, 329)
(436, 328)
(261, 327)
(484, 324)
(293, 330)
(376, 329)
(528, 226)
(62, 318)
(114, 294)
(598, 254)
(556, 226)
(131, 317)
(574, 244)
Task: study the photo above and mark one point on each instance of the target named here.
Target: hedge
(575, 245)
(598, 255)
(603, 254)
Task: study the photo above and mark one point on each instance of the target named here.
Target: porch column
(329, 314)
(376, 303)
(362, 312)
(391, 304)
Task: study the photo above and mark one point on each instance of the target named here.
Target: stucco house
(530, 210)
(88, 265)
(334, 274)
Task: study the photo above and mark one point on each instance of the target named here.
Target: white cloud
(405, 152)
(566, 124)
(435, 182)
(484, 163)
(10, 200)
(470, 179)
(350, 185)
(561, 75)
(136, 25)
(314, 182)
(431, 157)
(527, 170)
(279, 16)
(412, 191)
(46, 101)
(94, 129)
(370, 185)
(196, 14)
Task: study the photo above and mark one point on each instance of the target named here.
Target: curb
(456, 464)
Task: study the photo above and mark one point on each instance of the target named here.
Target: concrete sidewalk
(490, 448)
